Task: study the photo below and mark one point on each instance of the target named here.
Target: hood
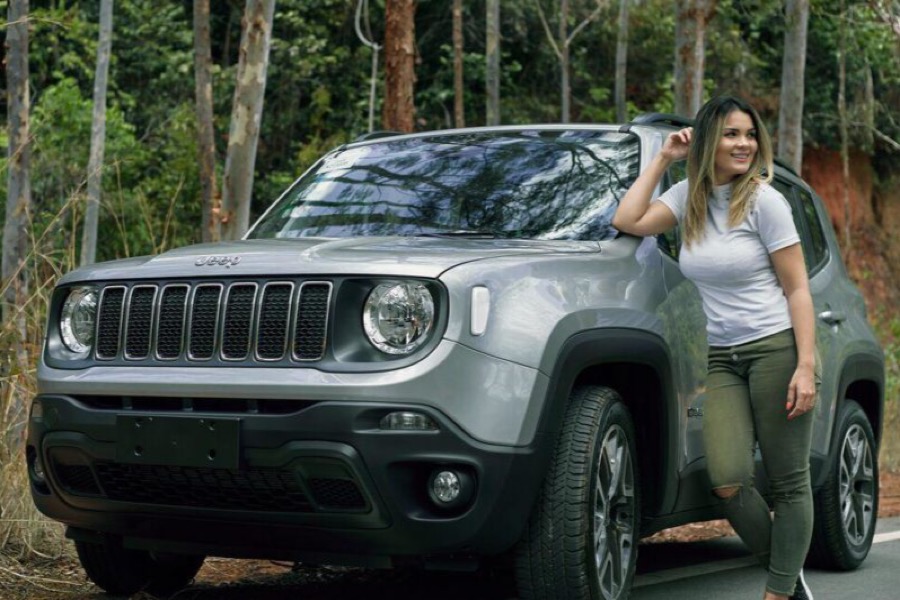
(400, 256)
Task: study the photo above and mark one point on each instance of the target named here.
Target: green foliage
(889, 329)
(61, 127)
(317, 92)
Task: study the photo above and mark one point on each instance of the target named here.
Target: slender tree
(399, 65)
(843, 123)
(459, 113)
(691, 19)
(492, 57)
(622, 62)
(246, 114)
(14, 281)
(562, 46)
(362, 18)
(793, 66)
(206, 146)
(98, 137)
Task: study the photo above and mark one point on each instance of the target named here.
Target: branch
(601, 6)
(547, 29)
(366, 41)
(886, 139)
(887, 14)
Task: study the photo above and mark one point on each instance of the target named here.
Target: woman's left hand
(801, 396)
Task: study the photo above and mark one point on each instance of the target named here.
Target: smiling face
(737, 147)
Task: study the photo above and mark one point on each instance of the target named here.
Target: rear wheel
(581, 540)
(847, 505)
(122, 571)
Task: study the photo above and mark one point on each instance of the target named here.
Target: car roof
(651, 120)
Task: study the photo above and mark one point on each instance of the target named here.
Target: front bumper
(311, 480)
(493, 400)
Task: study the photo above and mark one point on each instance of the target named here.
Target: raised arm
(637, 214)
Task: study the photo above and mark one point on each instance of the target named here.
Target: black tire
(121, 571)
(581, 540)
(846, 507)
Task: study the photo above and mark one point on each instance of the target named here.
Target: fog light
(408, 421)
(36, 466)
(37, 411)
(445, 486)
(39, 473)
(451, 488)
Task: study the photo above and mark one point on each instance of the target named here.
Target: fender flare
(596, 348)
(856, 368)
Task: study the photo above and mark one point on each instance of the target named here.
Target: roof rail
(373, 135)
(663, 118)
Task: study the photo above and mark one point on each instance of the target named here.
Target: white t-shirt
(731, 268)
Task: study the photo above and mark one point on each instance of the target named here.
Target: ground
(222, 579)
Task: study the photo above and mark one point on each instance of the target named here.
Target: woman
(741, 249)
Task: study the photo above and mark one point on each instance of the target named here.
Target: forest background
(317, 96)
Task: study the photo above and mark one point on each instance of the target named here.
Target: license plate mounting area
(212, 442)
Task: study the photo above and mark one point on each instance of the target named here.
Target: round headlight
(398, 316)
(79, 316)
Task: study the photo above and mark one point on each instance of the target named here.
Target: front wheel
(847, 505)
(581, 539)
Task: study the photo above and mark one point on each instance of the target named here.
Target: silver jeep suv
(432, 349)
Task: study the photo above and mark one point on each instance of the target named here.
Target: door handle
(832, 317)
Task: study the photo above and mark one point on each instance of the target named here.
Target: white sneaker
(801, 589)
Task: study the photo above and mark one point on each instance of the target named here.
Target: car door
(831, 294)
(685, 330)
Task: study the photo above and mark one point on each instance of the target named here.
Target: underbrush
(24, 532)
(889, 456)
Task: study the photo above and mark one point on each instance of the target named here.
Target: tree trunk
(459, 111)
(492, 72)
(622, 62)
(790, 113)
(564, 86)
(98, 137)
(14, 281)
(843, 125)
(868, 110)
(399, 65)
(691, 19)
(246, 114)
(206, 145)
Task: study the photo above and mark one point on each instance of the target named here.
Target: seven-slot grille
(234, 322)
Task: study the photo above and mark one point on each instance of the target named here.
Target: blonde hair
(701, 166)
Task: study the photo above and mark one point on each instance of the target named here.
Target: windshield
(511, 184)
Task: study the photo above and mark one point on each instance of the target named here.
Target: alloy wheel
(857, 485)
(614, 511)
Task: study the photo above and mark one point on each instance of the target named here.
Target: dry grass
(24, 531)
(889, 457)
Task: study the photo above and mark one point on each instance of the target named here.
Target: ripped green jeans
(745, 404)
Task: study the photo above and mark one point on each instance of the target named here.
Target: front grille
(233, 322)
(251, 489)
(257, 489)
(77, 479)
(338, 494)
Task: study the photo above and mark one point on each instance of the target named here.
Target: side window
(670, 241)
(815, 249)
(787, 190)
(818, 247)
